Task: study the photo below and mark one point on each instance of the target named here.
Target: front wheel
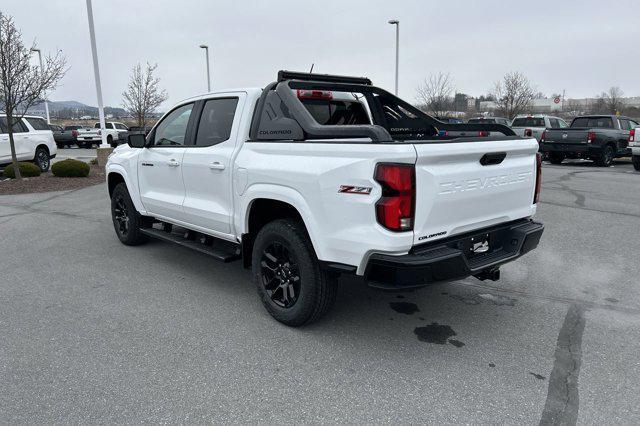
(636, 162)
(292, 286)
(126, 219)
(42, 159)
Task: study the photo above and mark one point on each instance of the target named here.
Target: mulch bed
(47, 182)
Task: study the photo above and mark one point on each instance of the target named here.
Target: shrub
(70, 168)
(26, 170)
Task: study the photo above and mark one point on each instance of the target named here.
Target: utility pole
(397, 24)
(46, 103)
(96, 72)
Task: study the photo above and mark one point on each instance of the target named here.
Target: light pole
(206, 50)
(397, 24)
(46, 103)
(96, 72)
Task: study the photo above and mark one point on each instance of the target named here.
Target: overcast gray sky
(582, 46)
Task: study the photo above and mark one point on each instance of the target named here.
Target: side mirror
(136, 140)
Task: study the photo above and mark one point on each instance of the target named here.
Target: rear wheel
(42, 158)
(606, 156)
(80, 144)
(636, 162)
(556, 157)
(292, 286)
(126, 219)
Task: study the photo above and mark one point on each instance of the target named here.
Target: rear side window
(591, 122)
(73, 127)
(481, 120)
(529, 122)
(553, 123)
(216, 121)
(37, 123)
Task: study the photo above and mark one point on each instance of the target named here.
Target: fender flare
(284, 194)
(132, 187)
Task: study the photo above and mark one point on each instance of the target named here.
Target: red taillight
(483, 133)
(544, 133)
(632, 135)
(536, 195)
(591, 136)
(314, 94)
(528, 133)
(395, 209)
(74, 133)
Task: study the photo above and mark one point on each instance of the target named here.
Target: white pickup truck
(535, 125)
(88, 137)
(316, 176)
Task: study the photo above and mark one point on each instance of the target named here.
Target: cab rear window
(336, 112)
(528, 122)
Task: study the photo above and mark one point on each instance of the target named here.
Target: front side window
(121, 126)
(37, 123)
(216, 121)
(625, 125)
(553, 123)
(563, 124)
(172, 131)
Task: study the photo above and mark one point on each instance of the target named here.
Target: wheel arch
(117, 174)
(264, 207)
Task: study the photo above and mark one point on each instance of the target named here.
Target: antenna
(311, 70)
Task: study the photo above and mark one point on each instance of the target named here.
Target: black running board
(221, 250)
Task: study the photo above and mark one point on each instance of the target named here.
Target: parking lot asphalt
(94, 331)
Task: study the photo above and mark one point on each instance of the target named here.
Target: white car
(317, 176)
(535, 125)
(88, 137)
(634, 143)
(33, 140)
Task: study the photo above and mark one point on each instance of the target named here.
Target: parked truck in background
(600, 138)
(534, 125)
(634, 143)
(315, 176)
(89, 137)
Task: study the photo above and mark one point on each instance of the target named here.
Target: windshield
(528, 122)
(591, 122)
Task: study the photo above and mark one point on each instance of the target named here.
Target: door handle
(216, 165)
(173, 163)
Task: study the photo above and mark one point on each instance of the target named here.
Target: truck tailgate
(461, 187)
(567, 136)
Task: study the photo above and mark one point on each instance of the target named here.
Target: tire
(126, 219)
(556, 157)
(283, 256)
(60, 145)
(636, 162)
(42, 159)
(606, 156)
(110, 142)
(114, 145)
(80, 144)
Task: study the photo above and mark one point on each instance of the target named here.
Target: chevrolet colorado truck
(315, 176)
(600, 138)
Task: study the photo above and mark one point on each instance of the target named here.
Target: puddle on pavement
(406, 308)
(437, 333)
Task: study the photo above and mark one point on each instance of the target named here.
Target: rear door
(160, 165)
(465, 186)
(207, 164)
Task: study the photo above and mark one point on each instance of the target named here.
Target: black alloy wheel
(280, 274)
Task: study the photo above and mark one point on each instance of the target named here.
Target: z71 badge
(351, 189)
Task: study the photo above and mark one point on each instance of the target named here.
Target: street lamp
(397, 24)
(46, 103)
(96, 73)
(206, 50)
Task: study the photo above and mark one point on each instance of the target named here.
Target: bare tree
(611, 100)
(21, 84)
(513, 94)
(143, 95)
(434, 94)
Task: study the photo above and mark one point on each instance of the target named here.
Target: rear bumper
(453, 258)
(569, 148)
